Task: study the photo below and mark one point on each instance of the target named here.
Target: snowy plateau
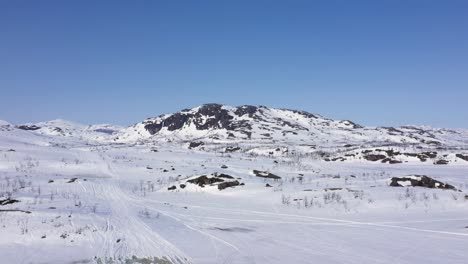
(220, 184)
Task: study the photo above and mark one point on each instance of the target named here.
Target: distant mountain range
(265, 131)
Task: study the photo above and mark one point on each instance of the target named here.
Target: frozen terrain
(220, 184)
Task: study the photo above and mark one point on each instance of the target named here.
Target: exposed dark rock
(224, 167)
(265, 174)
(72, 180)
(393, 130)
(390, 161)
(8, 201)
(391, 152)
(225, 185)
(222, 175)
(14, 210)
(339, 159)
(352, 124)
(153, 128)
(246, 109)
(431, 142)
(232, 149)
(173, 187)
(431, 155)
(182, 186)
(195, 144)
(303, 113)
(219, 118)
(441, 162)
(204, 180)
(421, 181)
(333, 189)
(268, 185)
(463, 157)
(373, 157)
(26, 127)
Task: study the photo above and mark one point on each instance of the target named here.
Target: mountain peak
(223, 122)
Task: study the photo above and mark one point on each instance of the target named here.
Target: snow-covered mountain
(261, 130)
(67, 129)
(223, 123)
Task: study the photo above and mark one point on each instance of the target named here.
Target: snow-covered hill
(221, 123)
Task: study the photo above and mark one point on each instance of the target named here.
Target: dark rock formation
(195, 144)
(421, 181)
(222, 175)
(265, 174)
(8, 201)
(225, 185)
(232, 149)
(373, 157)
(204, 180)
(441, 162)
(25, 127)
(463, 157)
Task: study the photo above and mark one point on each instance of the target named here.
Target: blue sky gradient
(378, 63)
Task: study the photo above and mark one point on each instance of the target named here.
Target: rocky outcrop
(419, 181)
(26, 127)
(225, 185)
(463, 157)
(204, 180)
(265, 174)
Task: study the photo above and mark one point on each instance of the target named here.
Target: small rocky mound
(391, 161)
(26, 127)
(373, 157)
(222, 175)
(8, 201)
(420, 181)
(222, 180)
(265, 174)
(225, 185)
(441, 162)
(463, 157)
(195, 144)
(231, 149)
(205, 180)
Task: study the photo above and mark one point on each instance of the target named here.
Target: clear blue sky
(384, 62)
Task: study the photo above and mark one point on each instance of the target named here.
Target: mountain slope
(258, 123)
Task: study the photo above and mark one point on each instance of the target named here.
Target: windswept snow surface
(84, 196)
